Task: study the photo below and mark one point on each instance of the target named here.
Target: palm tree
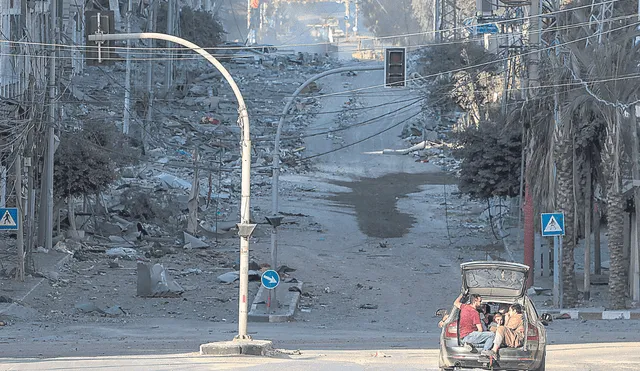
(600, 71)
(590, 110)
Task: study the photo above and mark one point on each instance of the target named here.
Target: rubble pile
(438, 146)
(191, 146)
(195, 131)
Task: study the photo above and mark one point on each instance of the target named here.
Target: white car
(497, 283)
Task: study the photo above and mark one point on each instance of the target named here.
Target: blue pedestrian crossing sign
(552, 224)
(9, 219)
(270, 279)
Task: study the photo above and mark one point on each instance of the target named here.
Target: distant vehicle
(497, 283)
(338, 32)
(265, 48)
(332, 22)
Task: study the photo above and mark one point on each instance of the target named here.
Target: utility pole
(3, 185)
(194, 197)
(151, 27)
(634, 268)
(347, 18)
(20, 206)
(31, 199)
(46, 195)
(437, 21)
(248, 19)
(168, 77)
(533, 83)
(127, 79)
(355, 20)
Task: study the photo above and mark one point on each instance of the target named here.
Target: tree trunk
(596, 238)
(615, 219)
(529, 235)
(564, 171)
(615, 216)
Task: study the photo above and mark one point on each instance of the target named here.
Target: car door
(499, 280)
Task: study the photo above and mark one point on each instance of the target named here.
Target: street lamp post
(276, 148)
(274, 220)
(245, 227)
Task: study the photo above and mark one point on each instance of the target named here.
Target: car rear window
(489, 279)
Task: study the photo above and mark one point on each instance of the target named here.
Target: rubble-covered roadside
(142, 218)
(204, 119)
(437, 146)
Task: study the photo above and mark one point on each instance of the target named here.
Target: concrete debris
(89, 307)
(173, 181)
(231, 277)
(122, 252)
(191, 271)
(62, 247)
(115, 310)
(117, 239)
(192, 242)
(153, 282)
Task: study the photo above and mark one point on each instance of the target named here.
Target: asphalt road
(158, 345)
(604, 346)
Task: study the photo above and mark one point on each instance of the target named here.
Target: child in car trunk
(511, 334)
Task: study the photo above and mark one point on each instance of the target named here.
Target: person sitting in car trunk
(511, 334)
(470, 325)
(496, 322)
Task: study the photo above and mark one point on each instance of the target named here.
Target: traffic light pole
(245, 227)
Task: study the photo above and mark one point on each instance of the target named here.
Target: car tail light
(532, 333)
(451, 330)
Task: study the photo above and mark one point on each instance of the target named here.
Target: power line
(147, 50)
(361, 140)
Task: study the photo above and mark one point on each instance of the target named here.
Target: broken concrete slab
(193, 242)
(288, 297)
(122, 252)
(173, 181)
(153, 282)
(229, 277)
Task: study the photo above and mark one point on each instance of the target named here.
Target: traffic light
(99, 52)
(395, 67)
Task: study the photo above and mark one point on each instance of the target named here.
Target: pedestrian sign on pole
(270, 279)
(9, 219)
(552, 224)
